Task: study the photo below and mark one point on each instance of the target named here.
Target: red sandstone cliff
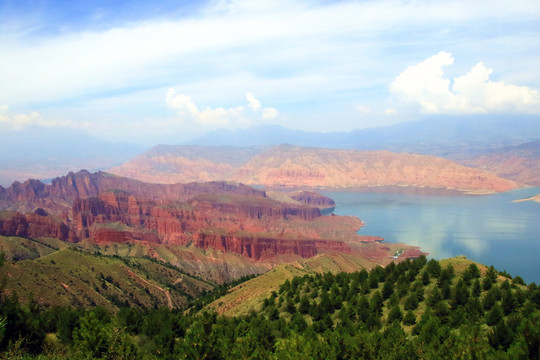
(261, 248)
(313, 198)
(194, 222)
(61, 193)
(222, 216)
(34, 225)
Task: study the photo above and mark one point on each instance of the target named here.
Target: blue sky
(165, 71)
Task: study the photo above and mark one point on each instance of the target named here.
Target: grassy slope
(213, 265)
(17, 248)
(70, 277)
(251, 294)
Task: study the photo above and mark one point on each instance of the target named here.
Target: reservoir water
(490, 229)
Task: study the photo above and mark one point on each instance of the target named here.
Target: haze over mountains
(288, 166)
(479, 141)
(45, 153)
(434, 135)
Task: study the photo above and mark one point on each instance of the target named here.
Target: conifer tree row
(414, 309)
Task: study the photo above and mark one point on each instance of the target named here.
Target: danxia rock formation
(103, 210)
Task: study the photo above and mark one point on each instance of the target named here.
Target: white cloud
(217, 116)
(254, 104)
(11, 121)
(270, 113)
(362, 109)
(426, 85)
(391, 111)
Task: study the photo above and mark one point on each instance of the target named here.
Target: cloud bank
(188, 111)
(426, 85)
(10, 121)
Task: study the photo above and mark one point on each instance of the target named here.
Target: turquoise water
(490, 229)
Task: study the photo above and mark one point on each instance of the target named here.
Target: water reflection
(489, 229)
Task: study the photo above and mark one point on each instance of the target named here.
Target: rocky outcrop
(255, 227)
(171, 220)
(313, 198)
(36, 225)
(226, 217)
(247, 207)
(261, 248)
(62, 192)
(105, 235)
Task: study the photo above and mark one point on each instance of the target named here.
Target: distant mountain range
(508, 146)
(480, 141)
(288, 166)
(444, 136)
(520, 163)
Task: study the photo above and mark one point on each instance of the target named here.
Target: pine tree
(477, 289)
(376, 302)
(425, 277)
(304, 305)
(489, 300)
(387, 290)
(395, 314)
(409, 318)
(508, 302)
(460, 294)
(411, 302)
(433, 268)
(434, 297)
(495, 315)
(490, 278)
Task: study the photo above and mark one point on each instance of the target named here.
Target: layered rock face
(223, 216)
(62, 192)
(287, 166)
(266, 248)
(34, 225)
(102, 219)
(313, 198)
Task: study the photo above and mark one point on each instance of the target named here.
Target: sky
(166, 71)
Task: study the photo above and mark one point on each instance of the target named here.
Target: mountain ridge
(290, 166)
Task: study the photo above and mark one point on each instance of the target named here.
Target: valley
(215, 231)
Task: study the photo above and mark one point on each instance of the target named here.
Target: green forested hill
(411, 310)
(70, 277)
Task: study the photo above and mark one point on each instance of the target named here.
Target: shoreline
(535, 198)
(393, 189)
